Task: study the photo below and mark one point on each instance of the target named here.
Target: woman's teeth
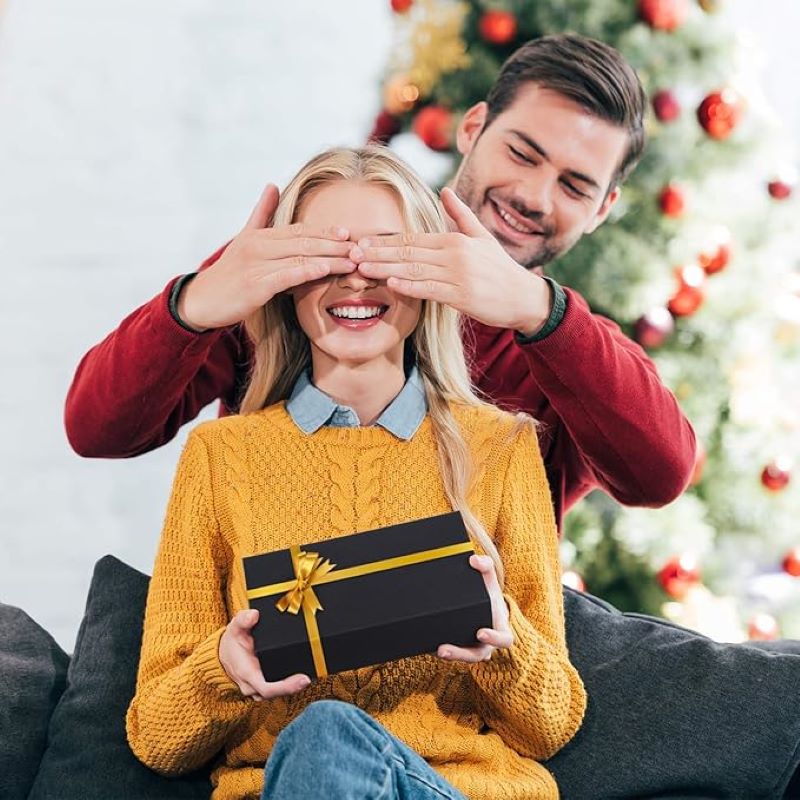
(357, 312)
(511, 222)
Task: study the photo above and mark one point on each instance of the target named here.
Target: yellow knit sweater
(255, 483)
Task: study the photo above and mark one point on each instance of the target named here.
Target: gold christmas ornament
(710, 6)
(431, 43)
(399, 94)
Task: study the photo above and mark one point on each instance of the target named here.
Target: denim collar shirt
(311, 409)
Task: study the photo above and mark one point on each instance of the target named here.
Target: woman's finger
(471, 655)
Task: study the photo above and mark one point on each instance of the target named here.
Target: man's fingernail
(356, 252)
(365, 242)
(342, 233)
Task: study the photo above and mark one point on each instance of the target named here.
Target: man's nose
(537, 195)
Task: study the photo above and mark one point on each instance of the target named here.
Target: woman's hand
(237, 655)
(499, 635)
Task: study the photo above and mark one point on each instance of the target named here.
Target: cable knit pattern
(255, 483)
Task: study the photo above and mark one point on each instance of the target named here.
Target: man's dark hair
(589, 72)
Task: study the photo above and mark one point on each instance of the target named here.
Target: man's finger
(426, 290)
(300, 230)
(265, 208)
(462, 215)
(433, 241)
(408, 253)
(412, 270)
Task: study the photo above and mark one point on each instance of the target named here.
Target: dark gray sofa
(62, 719)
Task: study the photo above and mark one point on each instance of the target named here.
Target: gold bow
(309, 569)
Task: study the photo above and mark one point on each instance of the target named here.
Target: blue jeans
(334, 749)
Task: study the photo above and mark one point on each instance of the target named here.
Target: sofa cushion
(33, 673)
(672, 714)
(88, 756)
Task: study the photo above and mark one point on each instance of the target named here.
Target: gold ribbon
(310, 570)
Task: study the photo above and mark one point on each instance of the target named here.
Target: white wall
(134, 138)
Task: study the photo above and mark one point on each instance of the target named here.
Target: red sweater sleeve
(133, 391)
(621, 420)
(607, 420)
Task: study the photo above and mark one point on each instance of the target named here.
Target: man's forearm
(134, 390)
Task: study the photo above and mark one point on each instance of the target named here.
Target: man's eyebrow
(543, 153)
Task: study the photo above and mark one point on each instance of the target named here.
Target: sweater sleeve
(132, 392)
(530, 693)
(624, 423)
(185, 704)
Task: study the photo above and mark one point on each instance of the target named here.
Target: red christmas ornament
(434, 125)
(401, 6)
(498, 27)
(764, 627)
(672, 201)
(679, 574)
(664, 15)
(699, 464)
(777, 474)
(653, 328)
(716, 257)
(666, 106)
(689, 296)
(791, 562)
(779, 190)
(719, 113)
(572, 579)
(386, 125)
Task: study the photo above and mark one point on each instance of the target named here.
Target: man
(543, 161)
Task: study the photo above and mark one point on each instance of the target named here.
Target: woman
(359, 414)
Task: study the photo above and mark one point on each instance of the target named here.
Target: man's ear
(471, 127)
(604, 210)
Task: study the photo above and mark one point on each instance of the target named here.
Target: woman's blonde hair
(282, 350)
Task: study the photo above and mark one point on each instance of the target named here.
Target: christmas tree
(699, 264)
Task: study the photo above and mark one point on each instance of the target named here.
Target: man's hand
(467, 269)
(259, 263)
(499, 635)
(238, 658)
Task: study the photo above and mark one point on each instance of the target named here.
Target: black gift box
(419, 592)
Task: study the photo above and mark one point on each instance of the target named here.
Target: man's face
(538, 177)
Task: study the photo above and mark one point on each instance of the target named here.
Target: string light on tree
(400, 95)
(719, 113)
(498, 27)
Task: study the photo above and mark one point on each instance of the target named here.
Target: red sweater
(609, 422)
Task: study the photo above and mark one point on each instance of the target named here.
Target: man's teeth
(357, 312)
(511, 222)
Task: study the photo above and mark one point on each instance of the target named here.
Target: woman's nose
(355, 281)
